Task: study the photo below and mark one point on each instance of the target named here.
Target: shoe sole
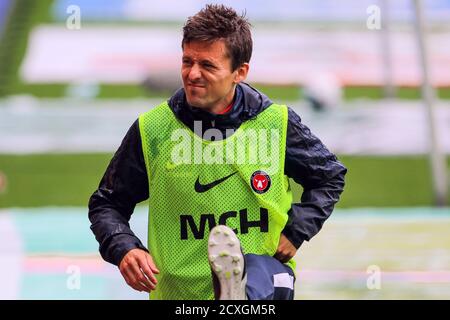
(227, 262)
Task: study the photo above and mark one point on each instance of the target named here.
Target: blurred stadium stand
(19, 16)
(4, 11)
(125, 42)
(327, 11)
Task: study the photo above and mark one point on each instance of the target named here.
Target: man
(175, 156)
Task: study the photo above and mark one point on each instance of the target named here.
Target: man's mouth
(195, 85)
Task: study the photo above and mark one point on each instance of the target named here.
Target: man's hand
(285, 250)
(137, 268)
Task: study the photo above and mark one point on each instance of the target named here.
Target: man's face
(207, 77)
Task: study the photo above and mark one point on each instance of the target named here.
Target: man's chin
(198, 103)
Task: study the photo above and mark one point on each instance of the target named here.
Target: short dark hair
(215, 22)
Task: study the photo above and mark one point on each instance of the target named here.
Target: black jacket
(124, 184)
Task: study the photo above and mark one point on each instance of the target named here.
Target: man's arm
(309, 163)
(123, 185)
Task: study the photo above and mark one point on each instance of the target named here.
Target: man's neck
(227, 109)
(225, 104)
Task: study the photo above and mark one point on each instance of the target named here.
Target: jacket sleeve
(309, 163)
(123, 185)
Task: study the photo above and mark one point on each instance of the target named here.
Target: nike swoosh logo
(205, 187)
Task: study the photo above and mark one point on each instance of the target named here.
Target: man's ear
(241, 73)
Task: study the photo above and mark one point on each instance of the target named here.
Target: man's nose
(194, 72)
